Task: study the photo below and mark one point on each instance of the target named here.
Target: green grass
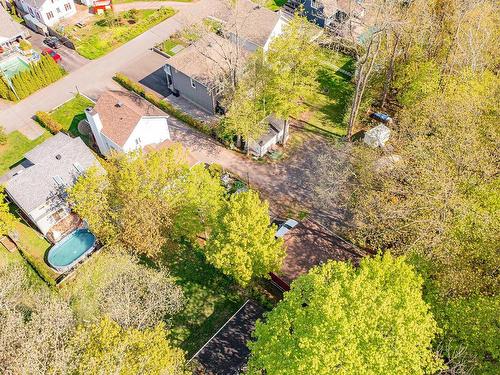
(17, 145)
(170, 44)
(275, 5)
(211, 299)
(34, 248)
(97, 38)
(71, 113)
(327, 108)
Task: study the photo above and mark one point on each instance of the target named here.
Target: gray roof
(9, 28)
(34, 183)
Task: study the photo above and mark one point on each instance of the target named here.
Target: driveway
(95, 76)
(71, 60)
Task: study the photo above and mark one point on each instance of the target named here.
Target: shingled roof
(120, 112)
(9, 28)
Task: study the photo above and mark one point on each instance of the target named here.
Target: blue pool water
(71, 249)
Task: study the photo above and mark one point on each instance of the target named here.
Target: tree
(107, 348)
(129, 204)
(242, 245)
(341, 319)
(293, 60)
(7, 220)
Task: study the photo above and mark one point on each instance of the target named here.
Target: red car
(47, 51)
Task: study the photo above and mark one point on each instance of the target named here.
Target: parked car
(285, 227)
(47, 51)
(382, 117)
(52, 42)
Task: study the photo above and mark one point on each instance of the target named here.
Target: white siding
(42, 8)
(278, 29)
(42, 216)
(149, 130)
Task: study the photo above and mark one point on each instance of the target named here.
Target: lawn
(275, 5)
(168, 45)
(71, 113)
(327, 107)
(211, 299)
(104, 34)
(33, 247)
(17, 145)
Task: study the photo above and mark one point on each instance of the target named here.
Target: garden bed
(108, 32)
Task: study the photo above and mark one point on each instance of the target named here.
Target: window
(169, 80)
(59, 181)
(67, 7)
(50, 15)
(78, 167)
(58, 10)
(138, 141)
(314, 5)
(193, 84)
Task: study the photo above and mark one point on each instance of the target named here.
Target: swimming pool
(71, 249)
(12, 66)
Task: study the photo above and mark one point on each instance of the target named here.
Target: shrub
(163, 105)
(24, 45)
(49, 122)
(215, 170)
(3, 135)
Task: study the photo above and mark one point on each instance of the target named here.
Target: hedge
(134, 86)
(49, 122)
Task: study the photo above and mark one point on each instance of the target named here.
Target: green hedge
(40, 74)
(46, 120)
(163, 105)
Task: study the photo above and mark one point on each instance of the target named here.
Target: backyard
(16, 146)
(110, 31)
(327, 107)
(71, 113)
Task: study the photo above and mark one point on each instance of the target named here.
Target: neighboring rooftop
(252, 21)
(205, 60)
(226, 352)
(120, 112)
(275, 127)
(50, 166)
(9, 28)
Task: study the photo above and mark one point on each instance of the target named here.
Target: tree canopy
(346, 320)
(242, 244)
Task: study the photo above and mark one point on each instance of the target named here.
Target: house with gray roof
(38, 185)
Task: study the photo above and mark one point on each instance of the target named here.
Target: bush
(163, 105)
(49, 122)
(215, 170)
(3, 135)
(24, 45)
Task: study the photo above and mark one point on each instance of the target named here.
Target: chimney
(96, 126)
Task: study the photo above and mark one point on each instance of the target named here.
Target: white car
(285, 228)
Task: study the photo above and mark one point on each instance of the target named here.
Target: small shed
(273, 136)
(378, 136)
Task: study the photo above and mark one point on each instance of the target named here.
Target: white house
(38, 185)
(49, 12)
(273, 136)
(124, 121)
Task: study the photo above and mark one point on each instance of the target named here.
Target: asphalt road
(95, 76)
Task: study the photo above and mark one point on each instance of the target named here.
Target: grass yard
(71, 113)
(275, 5)
(168, 45)
(17, 145)
(327, 108)
(34, 248)
(107, 33)
(211, 299)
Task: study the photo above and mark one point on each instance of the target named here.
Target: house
(38, 185)
(333, 15)
(98, 6)
(48, 12)
(123, 121)
(273, 136)
(10, 30)
(197, 73)
(250, 24)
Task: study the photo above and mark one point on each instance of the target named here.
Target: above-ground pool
(71, 249)
(12, 66)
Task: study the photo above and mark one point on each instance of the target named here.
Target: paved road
(96, 76)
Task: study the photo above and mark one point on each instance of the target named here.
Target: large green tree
(107, 348)
(242, 244)
(7, 220)
(338, 319)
